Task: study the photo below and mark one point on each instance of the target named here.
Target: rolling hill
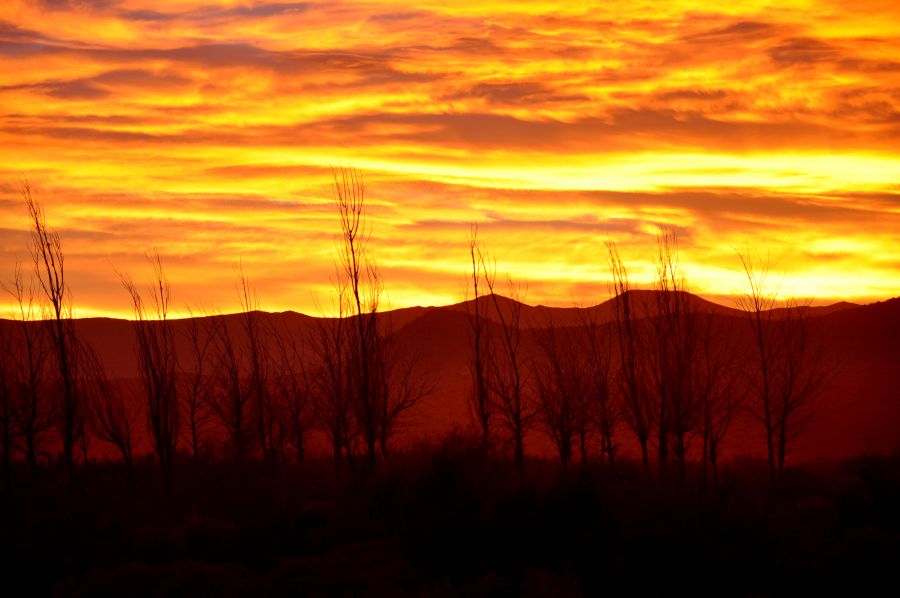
(859, 412)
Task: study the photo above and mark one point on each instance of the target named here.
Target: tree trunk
(645, 456)
(714, 462)
(519, 449)
(583, 442)
(337, 447)
(31, 455)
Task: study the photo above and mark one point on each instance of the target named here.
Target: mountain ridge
(641, 295)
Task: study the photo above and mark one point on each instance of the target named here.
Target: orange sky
(206, 130)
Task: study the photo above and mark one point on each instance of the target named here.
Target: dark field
(441, 522)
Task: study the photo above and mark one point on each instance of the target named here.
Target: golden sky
(206, 131)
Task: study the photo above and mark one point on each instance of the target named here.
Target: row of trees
(658, 370)
(240, 382)
(664, 369)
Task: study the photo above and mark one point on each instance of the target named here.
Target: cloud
(10, 32)
(734, 32)
(803, 51)
(208, 129)
(519, 93)
(214, 12)
(693, 94)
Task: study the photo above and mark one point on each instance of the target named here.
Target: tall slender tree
(801, 375)
(30, 367)
(561, 381)
(7, 408)
(790, 362)
(262, 407)
(49, 265)
(230, 397)
(158, 365)
(364, 291)
(401, 382)
(758, 304)
(112, 417)
(480, 405)
(508, 379)
(636, 405)
(292, 383)
(720, 383)
(672, 356)
(199, 373)
(332, 395)
(601, 404)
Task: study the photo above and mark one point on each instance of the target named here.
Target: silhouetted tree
(671, 356)
(158, 364)
(49, 264)
(636, 407)
(560, 378)
(600, 402)
(29, 368)
(758, 303)
(332, 399)
(7, 408)
(480, 404)
(112, 418)
(800, 375)
(720, 384)
(364, 292)
(230, 398)
(293, 385)
(199, 373)
(402, 383)
(262, 406)
(508, 376)
(789, 362)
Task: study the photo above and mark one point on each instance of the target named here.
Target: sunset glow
(207, 131)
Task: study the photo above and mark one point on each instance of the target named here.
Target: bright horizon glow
(207, 131)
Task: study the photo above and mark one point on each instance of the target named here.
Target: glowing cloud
(207, 130)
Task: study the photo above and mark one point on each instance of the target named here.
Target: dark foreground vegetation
(442, 521)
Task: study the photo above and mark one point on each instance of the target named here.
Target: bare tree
(600, 403)
(230, 397)
(758, 303)
(49, 264)
(364, 290)
(29, 368)
(402, 384)
(721, 387)
(7, 408)
(508, 377)
(480, 404)
(112, 419)
(157, 362)
(560, 378)
(800, 377)
(262, 405)
(636, 407)
(332, 399)
(199, 372)
(673, 348)
(789, 362)
(293, 386)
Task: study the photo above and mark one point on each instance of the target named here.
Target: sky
(208, 132)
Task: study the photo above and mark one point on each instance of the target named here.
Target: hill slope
(859, 411)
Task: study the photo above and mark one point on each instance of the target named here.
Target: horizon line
(711, 298)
